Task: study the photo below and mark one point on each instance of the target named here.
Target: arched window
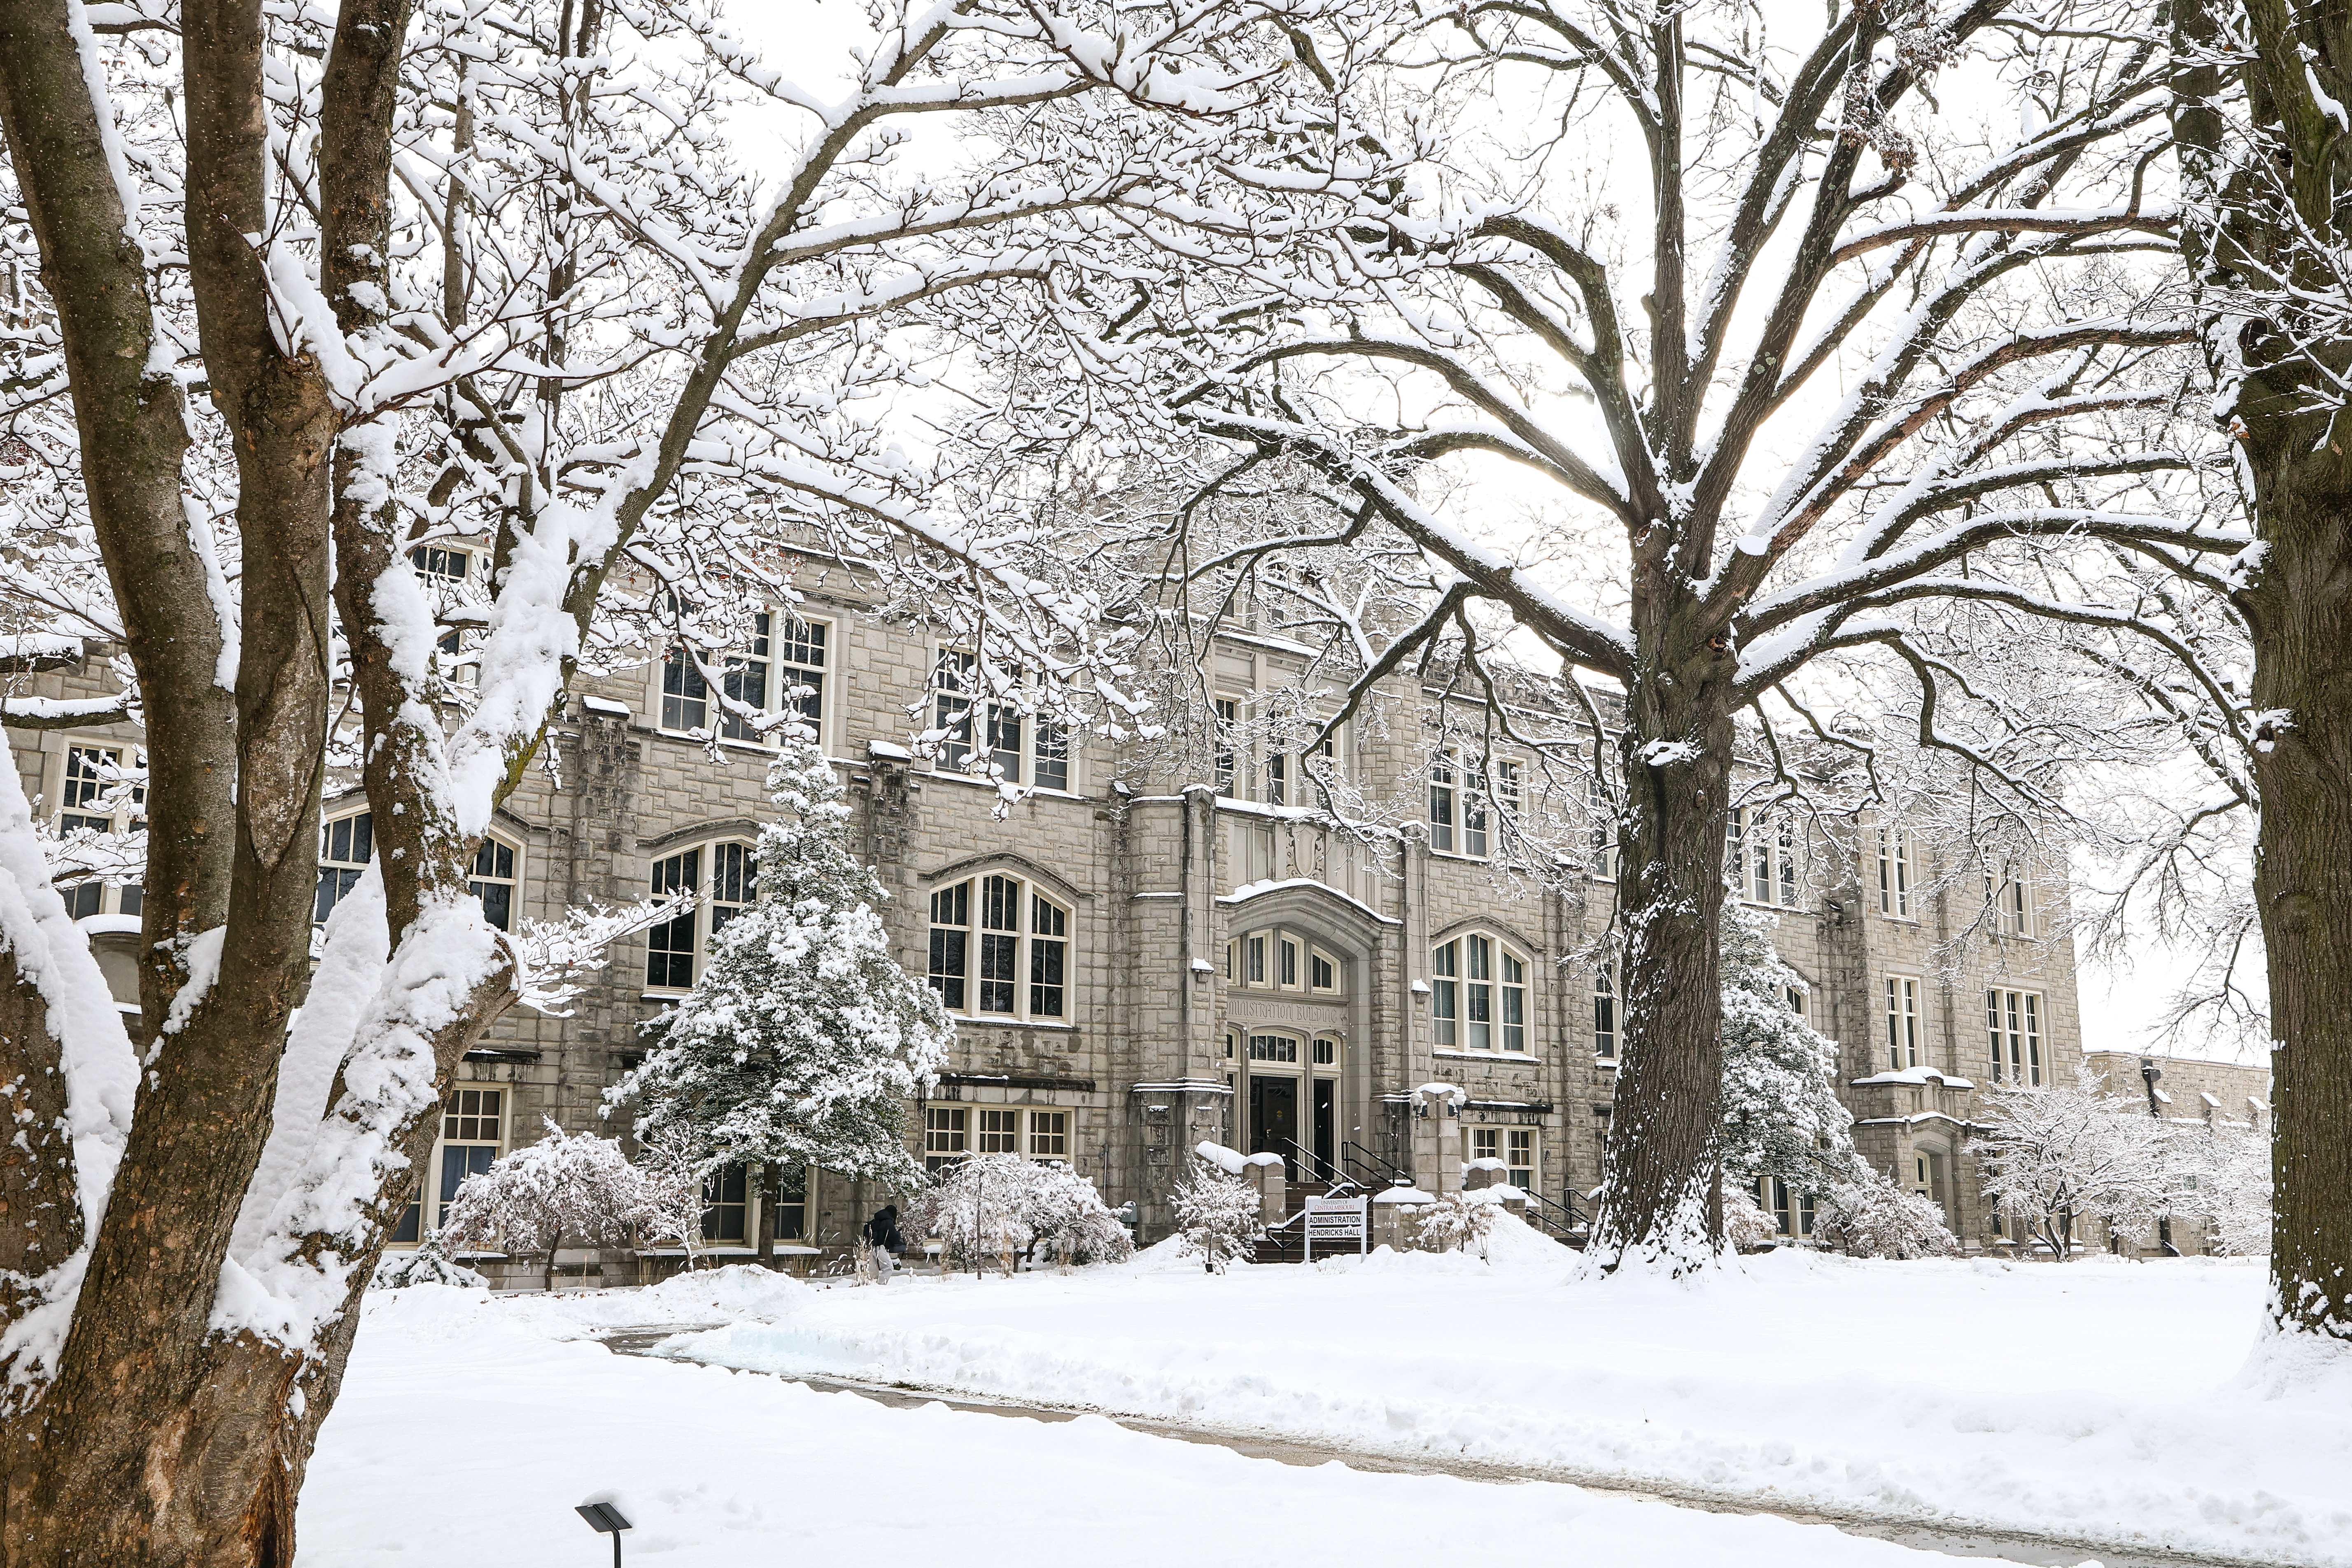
(726, 874)
(1478, 995)
(1000, 946)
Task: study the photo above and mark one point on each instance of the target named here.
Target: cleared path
(2041, 1552)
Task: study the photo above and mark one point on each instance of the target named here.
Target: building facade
(1137, 963)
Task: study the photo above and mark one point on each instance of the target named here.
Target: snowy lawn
(468, 1427)
(2100, 1400)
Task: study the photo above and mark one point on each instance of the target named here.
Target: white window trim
(2028, 1036)
(711, 732)
(1903, 989)
(1504, 951)
(1025, 1133)
(129, 816)
(980, 715)
(1471, 796)
(1025, 938)
(1783, 858)
(1898, 874)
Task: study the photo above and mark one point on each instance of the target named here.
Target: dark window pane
(498, 902)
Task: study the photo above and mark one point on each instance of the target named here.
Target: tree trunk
(1661, 1199)
(2258, 218)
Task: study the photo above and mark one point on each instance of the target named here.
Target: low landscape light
(606, 1519)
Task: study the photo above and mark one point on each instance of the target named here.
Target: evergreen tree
(804, 1039)
(1781, 1116)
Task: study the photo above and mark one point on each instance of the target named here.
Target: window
(1759, 857)
(94, 799)
(1894, 872)
(1049, 1134)
(744, 680)
(472, 1133)
(1473, 815)
(345, 846)
(800, 656)
(1791, 1210)
(1288, 973)
(1322, 971)
(1902, 1021)
(1479, 995)
(1604, 1013)
(726, 1197)
(1012, 743)
(980, 969)
(671, 947)
(1326, 1053)
(493, 881)
(437, 561)
(1000, 1130)
(1603, 849)
(2013, 1020)
(2012, 906)
(347, 843)
(685, 695)
(788, 1220)
(1514, 1146)
(1277, 779)
(1254, 960)
(1272, 1048)
(1228, 719)
(943, 1137)
(1442, 801)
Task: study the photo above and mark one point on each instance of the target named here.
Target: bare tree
(2259, 115)
(484, 273)
(1839, 369)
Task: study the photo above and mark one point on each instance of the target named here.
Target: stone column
(1437, 1138)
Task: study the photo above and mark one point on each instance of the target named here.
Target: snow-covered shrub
(671, 1171)
(565, 1188)
(2228, 1173)
(1781, 1115)
(803, 1038)
(998, 1207)
(1217, 1215)
(2054, 1156)
(1746, 1226)
(1457, 1222)
(1870, 1216)
(428, 1265)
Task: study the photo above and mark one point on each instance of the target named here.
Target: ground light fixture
(606, 1519)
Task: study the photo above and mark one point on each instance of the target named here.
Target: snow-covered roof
(887, 752)
(1251, 889)
(606, 706)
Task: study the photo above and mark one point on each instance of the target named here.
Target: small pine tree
(429, 1264)
(1870, 1216)
(804, 1039)
(1217, 1215)
(1781, 1115)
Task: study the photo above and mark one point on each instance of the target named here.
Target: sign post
(1338, 1219)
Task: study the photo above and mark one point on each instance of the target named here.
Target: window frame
(1047, 1134)
(1520, 1148)
(1608, 1013)
(1904, 1013)
(1034, 963)
(1763, 849)
(76, 793)
(2027, 1028)
(492, 846)
(1897, 876)
(434, 1191)
(1463, 803)
(1040, 746)
(724, 880)
(1455, 1001)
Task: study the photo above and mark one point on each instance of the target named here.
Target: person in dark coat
(881, 1233)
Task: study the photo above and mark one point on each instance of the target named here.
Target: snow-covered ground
(2097, 1400)
(468, 1427)
(2100, 1400)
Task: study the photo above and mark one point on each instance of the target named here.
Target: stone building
(1138, 962)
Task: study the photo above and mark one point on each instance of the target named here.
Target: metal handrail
(1324, 1171)
(1376, 1165)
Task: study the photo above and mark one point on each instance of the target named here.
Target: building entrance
(1327, 1117)
(1274, 1121)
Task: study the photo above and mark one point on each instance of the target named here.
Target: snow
(606, 706)
(719, 1470)
(1229, 1161)
(1920, 1076)
(2099, 1399)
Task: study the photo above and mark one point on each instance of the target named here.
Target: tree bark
(2256, 213)
(1660, 1200)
